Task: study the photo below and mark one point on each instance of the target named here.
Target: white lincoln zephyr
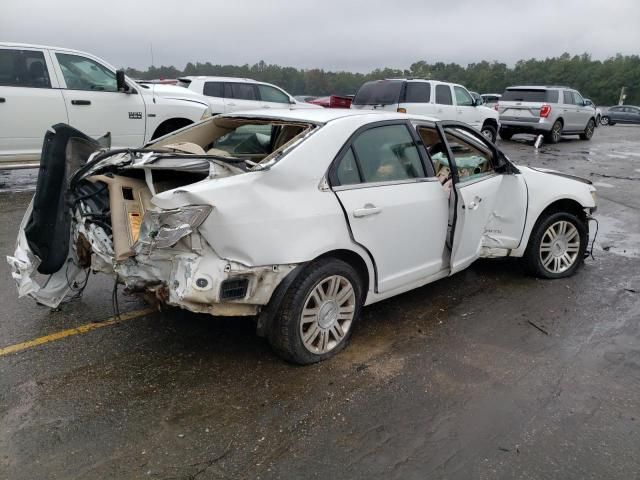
(297, 217)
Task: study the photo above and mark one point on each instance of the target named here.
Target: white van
(441, 100)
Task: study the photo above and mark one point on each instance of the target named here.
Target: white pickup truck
(42, 86)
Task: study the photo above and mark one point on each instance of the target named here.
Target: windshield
(529, 95)
(379, 92)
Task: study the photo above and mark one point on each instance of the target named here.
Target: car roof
(219, 79)
(324, 115)
(49, 47)
(537, 87)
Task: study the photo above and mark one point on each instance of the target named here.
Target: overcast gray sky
(354, 35)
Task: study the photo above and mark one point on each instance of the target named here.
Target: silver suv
(551, 111)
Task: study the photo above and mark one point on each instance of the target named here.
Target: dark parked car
(621, 114)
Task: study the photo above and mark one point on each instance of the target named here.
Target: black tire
(555, 134)
(169, 126)
(506, 134)
(490, 133)
(598, 121)
(285, 334)
(588, 130)
(605, 120)
(533, 255)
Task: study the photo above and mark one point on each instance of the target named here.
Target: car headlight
(206, 113)
(164, 228)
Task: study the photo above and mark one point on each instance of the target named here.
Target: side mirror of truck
(120, 82)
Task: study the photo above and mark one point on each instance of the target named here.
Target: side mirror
(120, 82)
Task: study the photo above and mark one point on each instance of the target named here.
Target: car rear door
(445, 107)
(214, 91)
(417, 98)
(395, 206)
(489, 207)
(95, 105)
(241, 96)
(30, 102)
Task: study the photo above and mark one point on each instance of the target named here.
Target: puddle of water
(616, 155)
(614, 237)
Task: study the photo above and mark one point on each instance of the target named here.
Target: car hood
(173, 92)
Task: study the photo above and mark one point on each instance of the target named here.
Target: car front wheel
(556, 246)
(588, 131)
(490, 133)
(318, 312)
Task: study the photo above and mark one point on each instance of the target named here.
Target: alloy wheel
(559, 247)
(327, 314)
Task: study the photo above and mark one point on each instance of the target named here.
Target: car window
(567, 97)
(418, 92)
(387, 153)
(82, 73)
(270, 94)
(463, 99)
(347, 171)
(213, 89)
(577, 99)
(473, 158)
(23, 68)
(246, 139)
(240, 91)
(443, 95)
(379, 92)
(615, 109)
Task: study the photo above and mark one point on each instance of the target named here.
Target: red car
(333, 101)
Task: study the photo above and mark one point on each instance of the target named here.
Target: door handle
(80, 102)
(367, 210)
(474, 204)
(231, 104)
(2, 100)
(266, 106)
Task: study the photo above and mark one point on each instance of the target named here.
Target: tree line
(599, 80)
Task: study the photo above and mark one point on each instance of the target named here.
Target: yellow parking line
(52, 337)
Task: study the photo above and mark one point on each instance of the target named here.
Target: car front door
(465, 110)
(271, 97)
(241, 96)
(584, 111)
(490, 206)
(395, 206)
(95, 105)
(30, 102)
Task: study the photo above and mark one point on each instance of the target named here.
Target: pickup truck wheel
(604, 120)
(490, 133)
(556, 246)
(506, 134)
(588, 131)
(317, 314)
(555, 134)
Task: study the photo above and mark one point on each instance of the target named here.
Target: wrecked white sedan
(297, 217)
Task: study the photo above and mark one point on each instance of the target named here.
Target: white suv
(43, 86)
(229, 94)
(440, 100)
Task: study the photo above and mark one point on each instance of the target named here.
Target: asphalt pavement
(488, 374)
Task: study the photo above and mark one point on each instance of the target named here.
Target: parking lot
(486, 374)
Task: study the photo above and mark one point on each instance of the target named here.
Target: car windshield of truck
(379, 92)
(529, 95)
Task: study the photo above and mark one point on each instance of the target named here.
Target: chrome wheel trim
(488, 134)
(590, 128)
(327, 314)
(560, 246)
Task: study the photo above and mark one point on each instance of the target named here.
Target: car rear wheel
(555, 134)
(588, 131)
(506, 134)
(604, 120)
(490, 133)
(556, 246)
(318, 312)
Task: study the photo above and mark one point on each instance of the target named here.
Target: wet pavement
(487, 374)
